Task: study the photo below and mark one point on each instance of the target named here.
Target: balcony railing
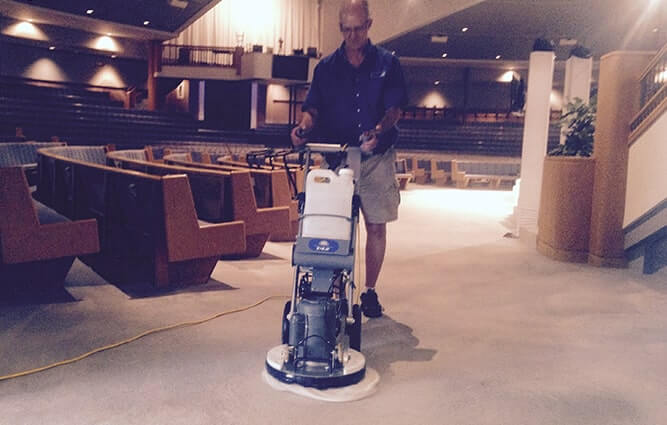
(653, 88)
(184, 55)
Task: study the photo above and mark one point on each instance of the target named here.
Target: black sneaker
(370, 305)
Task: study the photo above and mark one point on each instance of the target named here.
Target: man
(358, 91)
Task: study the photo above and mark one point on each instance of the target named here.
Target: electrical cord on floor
(141, 335)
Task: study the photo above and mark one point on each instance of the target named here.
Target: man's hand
(298, 136)
(300, 132)
(369, 141)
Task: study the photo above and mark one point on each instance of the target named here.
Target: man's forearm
(390, 118)
(308, 119)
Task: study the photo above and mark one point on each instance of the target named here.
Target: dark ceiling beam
(41, 15)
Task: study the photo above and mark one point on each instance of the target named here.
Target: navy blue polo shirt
(352, 100)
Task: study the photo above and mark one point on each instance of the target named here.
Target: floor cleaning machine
(321, 325)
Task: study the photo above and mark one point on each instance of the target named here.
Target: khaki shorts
(378, 188)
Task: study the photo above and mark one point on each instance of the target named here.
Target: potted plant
(567, 187)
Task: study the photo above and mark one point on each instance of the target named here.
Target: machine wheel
(285, 333)
(354, 331)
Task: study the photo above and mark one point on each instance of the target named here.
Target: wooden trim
(653, 62)
(650, 119)
(24, 239)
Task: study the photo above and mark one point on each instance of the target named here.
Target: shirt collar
(370, 51)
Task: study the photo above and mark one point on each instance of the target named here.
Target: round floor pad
(361, 389)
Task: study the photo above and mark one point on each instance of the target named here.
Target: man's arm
(391, 117)
(308, 120)
(371, 137)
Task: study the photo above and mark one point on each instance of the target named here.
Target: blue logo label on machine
(323, 245)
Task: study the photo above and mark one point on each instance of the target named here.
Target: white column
(535, 135)
(578, 73)
(202, 92)
(254, 93)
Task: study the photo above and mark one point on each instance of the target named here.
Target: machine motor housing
(313, 328)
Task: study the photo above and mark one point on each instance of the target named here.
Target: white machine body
(328, 210)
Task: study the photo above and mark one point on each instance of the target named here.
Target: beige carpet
(479, 329)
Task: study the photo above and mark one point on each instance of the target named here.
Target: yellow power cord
(141, 335)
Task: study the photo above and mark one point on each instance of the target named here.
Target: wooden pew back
(148, 223)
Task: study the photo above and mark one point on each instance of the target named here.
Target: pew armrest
(186, 239)
(49, 241)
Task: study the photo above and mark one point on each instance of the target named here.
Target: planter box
(564, 219)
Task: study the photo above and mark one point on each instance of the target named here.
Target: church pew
(37, 245)
(148, 225)
(271, 188)
(220, 195)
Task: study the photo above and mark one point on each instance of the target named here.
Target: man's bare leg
(376, 242)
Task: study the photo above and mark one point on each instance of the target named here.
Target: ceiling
(159, 19)
(496, 28)
(508, 28)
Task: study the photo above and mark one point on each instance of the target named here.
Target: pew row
(441, 171)
(422, 170)
(271, 188)
(296, 171)
(493, 173)
(148, 227)
(403, 175)
(24, 155)
(37, 245)
(219, 196)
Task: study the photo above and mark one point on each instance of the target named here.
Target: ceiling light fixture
(437, 82)
(147, 22)
(498, 57)
(444, 55)
(567, 42)
(655, 29)
(90, 11)
(181, 4)
(464, 29)
(52, 47)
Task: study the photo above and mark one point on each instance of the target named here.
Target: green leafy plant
(578, 121)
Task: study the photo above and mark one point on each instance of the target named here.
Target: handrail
(661, 54)
(653, 86)
(654, 77)
(191, 55)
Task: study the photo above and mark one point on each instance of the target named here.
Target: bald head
(354, 7)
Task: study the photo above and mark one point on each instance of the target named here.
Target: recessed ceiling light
(498, 56)
(655, 29)
(52, 47)
(464, 29)
(113, 56)
(393, 52)
(444, 55)
(147, 22)
(437, 82)
(90, 11)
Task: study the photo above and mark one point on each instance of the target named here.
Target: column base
(561, 254)
(616, 262)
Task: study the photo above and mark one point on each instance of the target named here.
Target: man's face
(354, 26)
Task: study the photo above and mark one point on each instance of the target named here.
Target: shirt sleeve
(314, 96)
(396, 93)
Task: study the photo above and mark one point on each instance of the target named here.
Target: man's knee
(376, 231)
